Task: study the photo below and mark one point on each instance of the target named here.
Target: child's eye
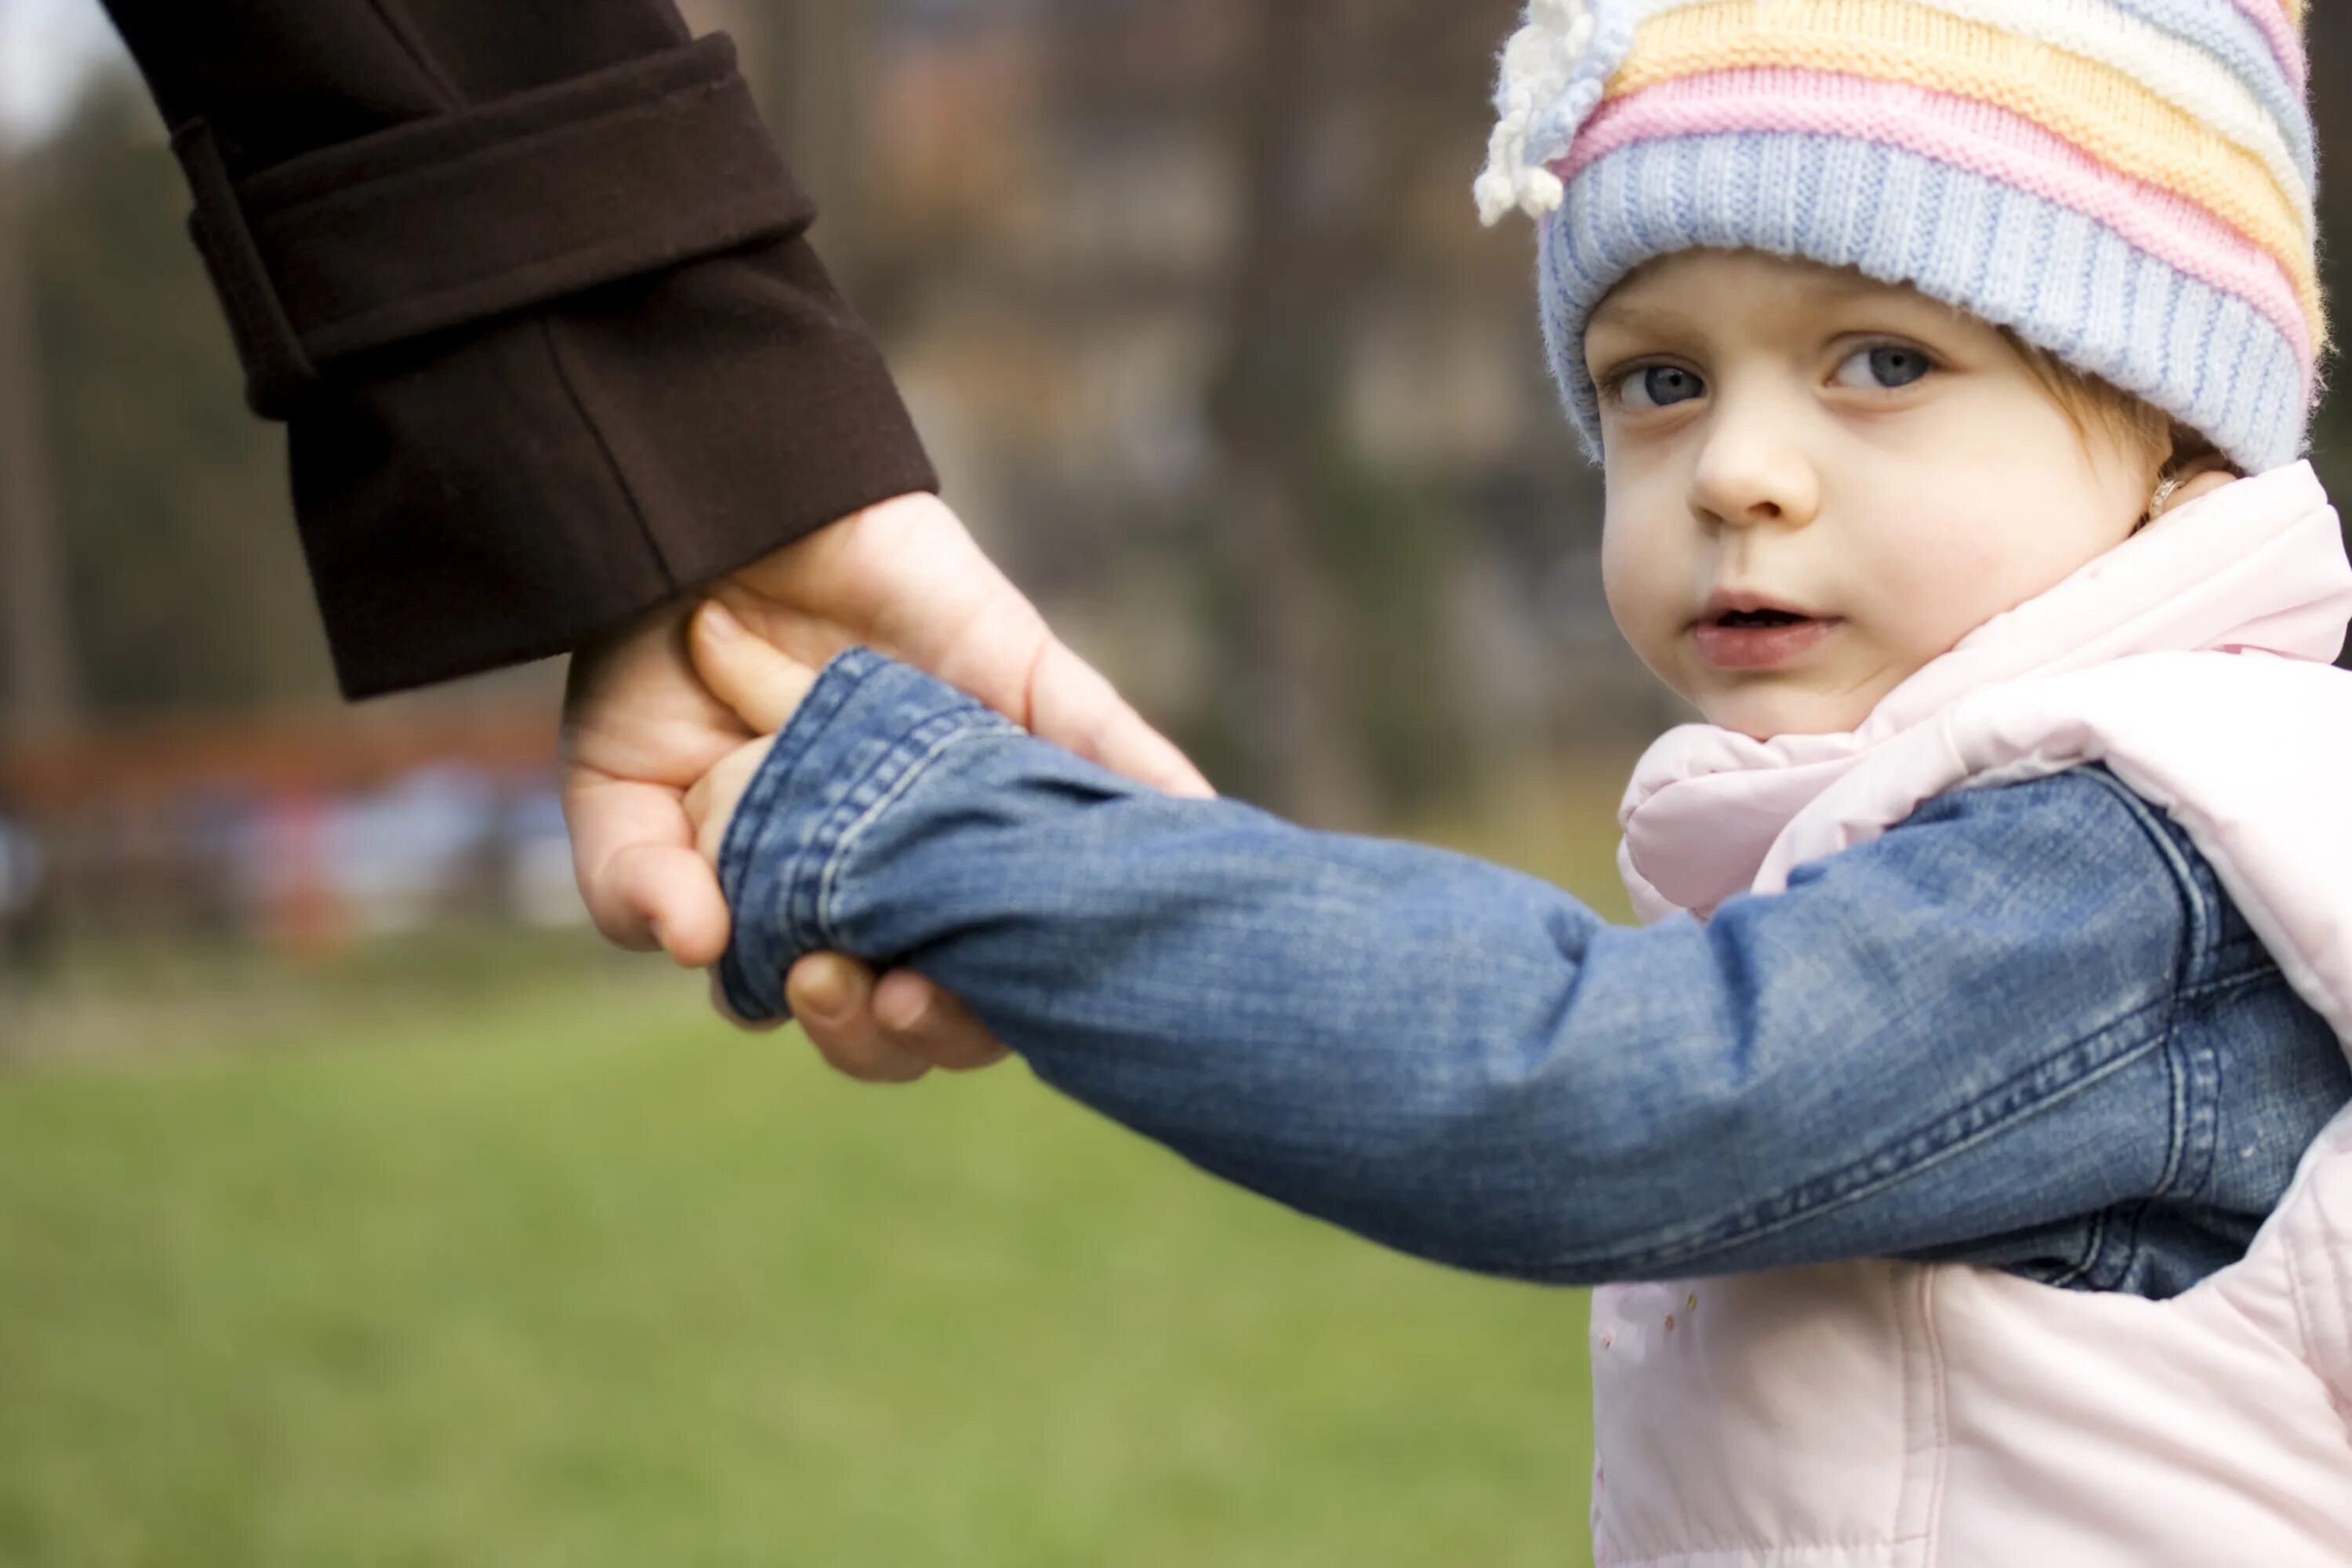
(1658, 386)
(1883, 368)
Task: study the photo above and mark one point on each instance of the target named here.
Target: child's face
(1884, 469)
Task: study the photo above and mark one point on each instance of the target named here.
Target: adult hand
(904, 578)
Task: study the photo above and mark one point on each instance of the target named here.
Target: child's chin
(1766, 715)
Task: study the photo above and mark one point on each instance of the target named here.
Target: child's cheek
(1646, 575)
(1941, 578)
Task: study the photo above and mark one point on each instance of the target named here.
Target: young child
(1971, 1115)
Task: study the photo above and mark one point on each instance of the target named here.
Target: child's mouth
(1758, 639)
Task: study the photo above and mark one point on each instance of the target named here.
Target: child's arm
(1939, 1038)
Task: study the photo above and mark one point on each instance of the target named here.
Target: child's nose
(1750, 472)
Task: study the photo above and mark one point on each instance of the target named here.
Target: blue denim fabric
(2024, 1029)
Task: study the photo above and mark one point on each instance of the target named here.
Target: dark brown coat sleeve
(528, 282)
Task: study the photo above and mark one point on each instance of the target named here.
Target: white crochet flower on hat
(1553, 71)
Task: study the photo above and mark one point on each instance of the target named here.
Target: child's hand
(891, 1029)
(765, 685)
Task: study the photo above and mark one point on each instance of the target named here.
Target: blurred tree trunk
(2329, 39)
(1271, 409)
(815, 65)
(1342, 104)
(42, 692)
(2328, 36)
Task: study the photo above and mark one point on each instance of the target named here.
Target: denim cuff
(868, 728)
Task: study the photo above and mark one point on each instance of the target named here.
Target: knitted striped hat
(2128, 184)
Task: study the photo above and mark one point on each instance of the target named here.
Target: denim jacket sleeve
(1936, 1043)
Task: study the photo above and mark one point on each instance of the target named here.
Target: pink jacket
(1885, 1414)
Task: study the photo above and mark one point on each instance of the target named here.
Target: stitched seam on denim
(969, 726)
(2202, 1146)
(755, 826)
(805, 924)
(2094, 1244)
(2261, 974)
(853, 807)
(2181, 1076)
(2130, 1249)
(2203, 921)
(2194, 1074)
(2255, 964)
(1977, 1117)
(836, 684)
(748, 834)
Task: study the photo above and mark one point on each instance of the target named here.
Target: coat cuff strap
(449, 221)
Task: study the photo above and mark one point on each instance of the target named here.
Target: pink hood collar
(2256, 565)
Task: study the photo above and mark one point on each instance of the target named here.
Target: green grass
(561, 1272)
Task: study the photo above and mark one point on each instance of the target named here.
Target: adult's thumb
(745, 670)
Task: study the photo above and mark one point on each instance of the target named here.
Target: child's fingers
(832, 995)
(711, 800)
(745, 672)
(926, 1020)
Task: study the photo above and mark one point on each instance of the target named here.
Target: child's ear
(2202, 482)
(744, 671)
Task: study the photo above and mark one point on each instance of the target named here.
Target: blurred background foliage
(356, 1206)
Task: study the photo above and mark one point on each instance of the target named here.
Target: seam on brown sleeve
(613, 469)
(395, 22)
